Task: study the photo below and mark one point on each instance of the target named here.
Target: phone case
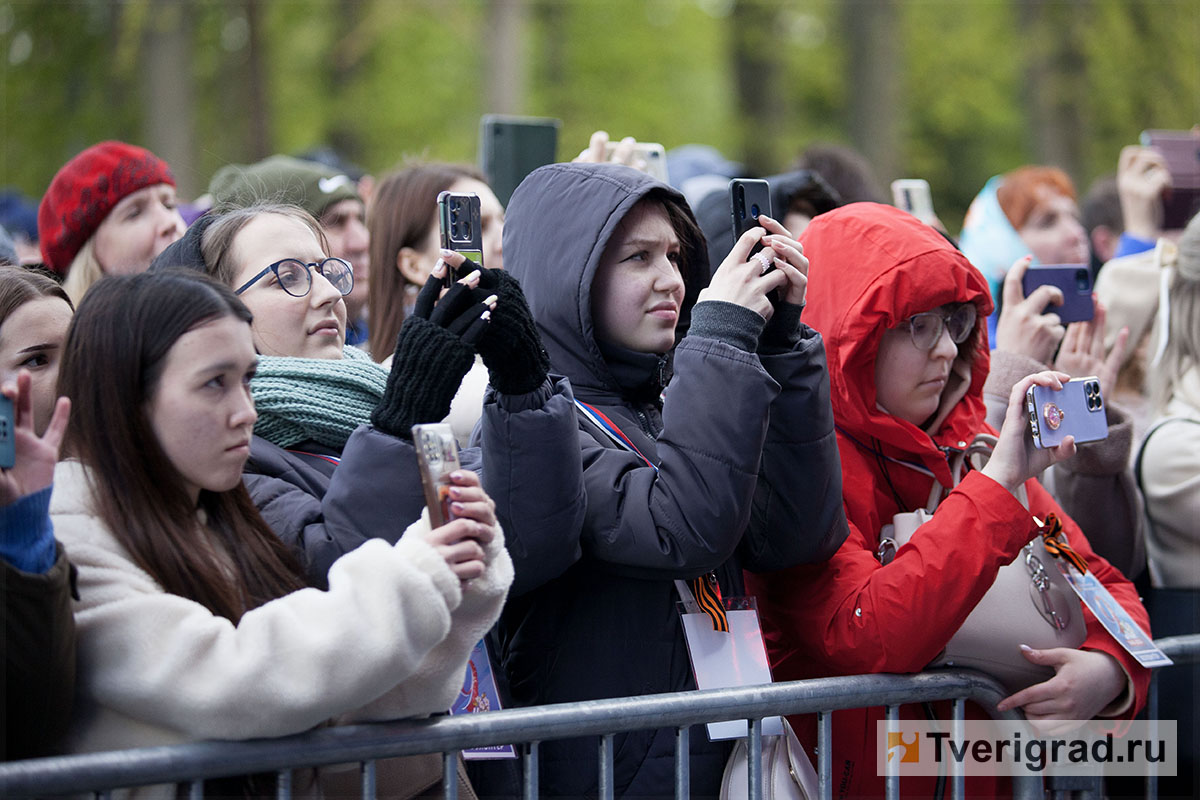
(460, 222)
(1078, 410)
(1073, 280)
(8, 443)
(914, 196)
(748, 198)
(437, 457)
(512, 147)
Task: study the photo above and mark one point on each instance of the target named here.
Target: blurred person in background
(329, 195)
(1031, 210)
(1168, 468)
(109, 210)
(405, 246)
(845, 170)
(18, 215)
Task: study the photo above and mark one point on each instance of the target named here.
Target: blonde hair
(84, 271)
(1182, 352)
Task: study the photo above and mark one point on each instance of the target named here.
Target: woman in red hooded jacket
(904, 315)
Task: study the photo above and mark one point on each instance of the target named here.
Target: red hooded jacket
(874, 266)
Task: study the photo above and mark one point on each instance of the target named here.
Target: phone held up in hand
(512, 147)
(1181, 149)
(1075, 283)
(8, 442)
(650, 157)
(1077, 410)
(459, 220)
(914, 196)
(437, 457)
(749, 198)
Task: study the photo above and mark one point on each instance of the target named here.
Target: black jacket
(748, 475)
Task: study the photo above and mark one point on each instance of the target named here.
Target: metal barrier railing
(196, 762)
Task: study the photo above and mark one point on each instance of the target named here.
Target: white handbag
(1030, 602)
(787, 772)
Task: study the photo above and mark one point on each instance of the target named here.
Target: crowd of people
(214, 526)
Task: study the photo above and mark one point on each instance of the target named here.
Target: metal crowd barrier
(194, 763)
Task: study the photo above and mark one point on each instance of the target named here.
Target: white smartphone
(650, 157)
(913, 195)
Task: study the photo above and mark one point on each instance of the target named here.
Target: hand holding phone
(29, 459)
(1075, 283)
(1076, 410)
(461, 227)
(1181, 151)
(749, 198)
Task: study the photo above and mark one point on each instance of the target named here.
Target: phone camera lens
(1082, 280)
(754, 210)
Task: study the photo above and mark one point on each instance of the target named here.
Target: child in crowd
(733, 466)
(903, 313)
(193, 620)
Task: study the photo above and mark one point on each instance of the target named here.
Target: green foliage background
(389, 79)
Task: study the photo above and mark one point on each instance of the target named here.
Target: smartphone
(8, 441)
(1075, 283)
(512, 147)
(1181, 149)
(913, 195)
(652, 155)
(461, 226)
(437, 457)
(1076, 409)
(748, 198)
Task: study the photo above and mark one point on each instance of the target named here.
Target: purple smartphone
(1075, 283)
(1077, 409)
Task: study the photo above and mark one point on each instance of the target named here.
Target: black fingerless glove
(433, 353)
(510, 346)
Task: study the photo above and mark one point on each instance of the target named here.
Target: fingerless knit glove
(433, 353)
(511, 347)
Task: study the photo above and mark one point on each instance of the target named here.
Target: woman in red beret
(109, 210)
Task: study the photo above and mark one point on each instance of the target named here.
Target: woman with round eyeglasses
(332, 462)
(904, 321)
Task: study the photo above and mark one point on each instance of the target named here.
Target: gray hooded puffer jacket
(747, 476)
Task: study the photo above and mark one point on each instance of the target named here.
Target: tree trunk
(504, 56)
(170, 95)
(1056, 82)
(872, 29)
(762, 104)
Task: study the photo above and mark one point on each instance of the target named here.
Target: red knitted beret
(85, 190)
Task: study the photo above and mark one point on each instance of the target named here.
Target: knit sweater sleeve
(288, 665)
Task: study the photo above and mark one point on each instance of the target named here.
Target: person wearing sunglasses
(904, 318)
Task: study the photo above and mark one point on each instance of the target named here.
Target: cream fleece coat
(389, 639)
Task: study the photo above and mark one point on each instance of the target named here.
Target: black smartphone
(8, 442)
(748, 199)
(461, 227)
(1181, 149)
(512, 147)
(437, 457)
(1076, 409)
(1075, 283)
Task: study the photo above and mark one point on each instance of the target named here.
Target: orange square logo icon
(908, 752)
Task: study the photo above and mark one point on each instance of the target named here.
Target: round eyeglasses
(926, 329)
(295, 276)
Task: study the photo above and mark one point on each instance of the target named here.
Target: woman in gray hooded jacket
(733, 466)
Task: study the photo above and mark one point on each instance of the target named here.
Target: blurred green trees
(950, 90)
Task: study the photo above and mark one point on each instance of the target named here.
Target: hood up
(556, 227)
(873, 266)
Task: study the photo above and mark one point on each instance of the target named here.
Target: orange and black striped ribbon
(1056, 543)
(707, 592)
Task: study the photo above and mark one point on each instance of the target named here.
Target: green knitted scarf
(324, 400)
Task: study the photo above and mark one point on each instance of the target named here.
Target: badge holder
(722, 660)
(479, 694)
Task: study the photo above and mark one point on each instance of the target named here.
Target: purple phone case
(1078, 409)
(1073, 280)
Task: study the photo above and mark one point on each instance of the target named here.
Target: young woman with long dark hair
(194, 621)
